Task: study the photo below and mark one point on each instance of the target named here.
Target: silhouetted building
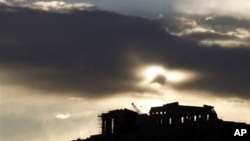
(168, 122)
(119, 121)
(175, 114)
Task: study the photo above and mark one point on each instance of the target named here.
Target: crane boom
(136, 108)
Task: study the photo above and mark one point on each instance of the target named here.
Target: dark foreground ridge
(170, 122)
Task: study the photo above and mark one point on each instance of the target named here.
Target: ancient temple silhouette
(168, 122)
(119, 121)
(175, 114)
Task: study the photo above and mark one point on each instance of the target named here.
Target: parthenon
(174, 113)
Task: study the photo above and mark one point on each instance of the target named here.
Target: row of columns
(162, 118)
(108, 125)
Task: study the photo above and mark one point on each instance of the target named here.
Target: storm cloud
(94, 53)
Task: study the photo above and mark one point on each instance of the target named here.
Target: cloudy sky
(64, 62)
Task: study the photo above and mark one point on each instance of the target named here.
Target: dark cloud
(89, 52)
(83, 51)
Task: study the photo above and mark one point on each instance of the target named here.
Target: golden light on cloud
(151, 72)
(178, 76)
(157, 75)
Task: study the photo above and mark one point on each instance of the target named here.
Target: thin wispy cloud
(60, 6)
(231, 8)
(51, 6)
(62, 116)
(211, 32)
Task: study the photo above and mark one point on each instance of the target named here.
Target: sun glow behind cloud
(156, 76)
(151, 72)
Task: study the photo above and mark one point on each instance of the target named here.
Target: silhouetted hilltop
(170, 122)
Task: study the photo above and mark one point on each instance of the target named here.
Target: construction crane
(136, 108)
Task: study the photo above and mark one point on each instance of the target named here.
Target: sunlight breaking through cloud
(156, 76)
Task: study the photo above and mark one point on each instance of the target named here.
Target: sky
(62, 63)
